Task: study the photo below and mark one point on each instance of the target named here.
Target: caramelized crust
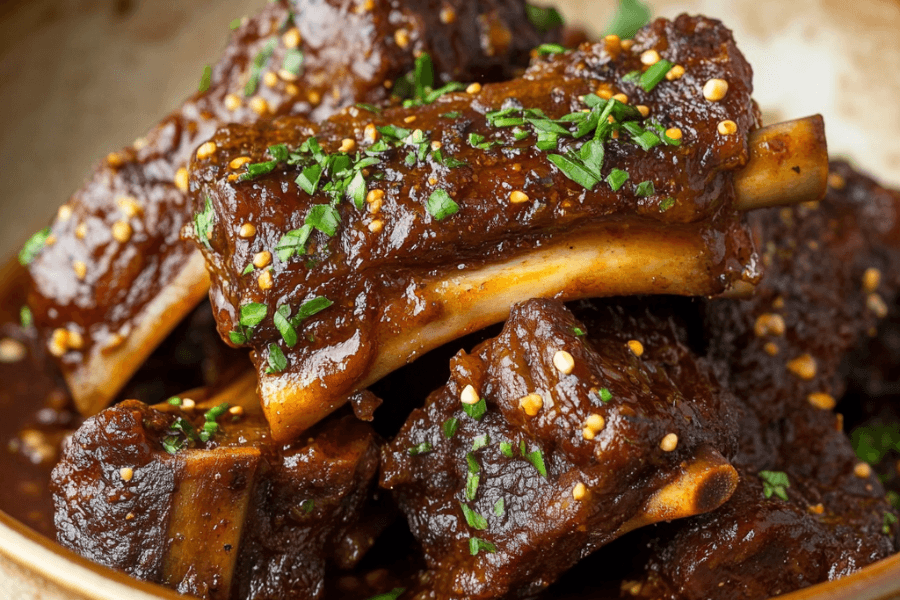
(390, 267)
(115, 276)
(236, 517)
(584, 438)
(784, 351)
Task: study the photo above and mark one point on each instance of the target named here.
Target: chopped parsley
(644, 189)
(440, 205)
(574, 170)
(450, 426)
(417, 86)
(507, 449)
(33, 246)
(235, 23)
(477, 410)
(175, 401)
(605, 395)
(630, 16)
(890, 519)
(423, 448)
(259, 63)
(893, 499)
(536, 458)
(666, 203)
(476, 545)
(873, 442)
(310, 308)
(283, 325)
(544, 49)
(472, 481)
(473, 519)
(308, 505)
(203, 223)
(616, 179)
(293, 61)
(205, 78)
(579, 332)
(391, 595)
(500, 507)
(543, 19)
(276, 359)
(775, 482)
(480, 442)
(253, 313)
(26, 318)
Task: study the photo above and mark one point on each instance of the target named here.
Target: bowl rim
(79, 577)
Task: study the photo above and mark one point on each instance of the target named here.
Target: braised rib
(553, 439)
(201, 499)
(830, 269)
(111, 276)
(458, 209)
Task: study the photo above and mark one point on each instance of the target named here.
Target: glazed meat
(236, 516)
(829, 267)
(458, 209)
(581, 432)
(112, 276)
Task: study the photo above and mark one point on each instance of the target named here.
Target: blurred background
(80, 78)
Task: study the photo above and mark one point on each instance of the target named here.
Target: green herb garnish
(545, 49)
(873, 442)
(666, 203)
(500, 507)
(259, 63)
(644, 189)
(293, 61)
(543, 19)
(656, 73)
(605, 395)
(473, 519)
(33, 246)
(630, 16)
(889, 520)
(26, 318)
(175, 401)
(477, 544)
(775, 482)
(276, 359)
(391, 595)
(440, 205)
(203, 223)
(206, 78)
(480, 442)
(477, 410)
(506, 449)
(536, 458)
(472, 481)
(287, 331)
(310, 308)
(616, 179)
(450, 426)
(253, 313)
(235, 23)
(423, 448)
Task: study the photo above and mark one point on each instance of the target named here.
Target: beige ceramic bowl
(83, 77)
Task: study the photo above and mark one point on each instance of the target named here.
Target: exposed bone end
(788, 165)
(704, 484)
(609, 260)
(96, 381)
(210, 509)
